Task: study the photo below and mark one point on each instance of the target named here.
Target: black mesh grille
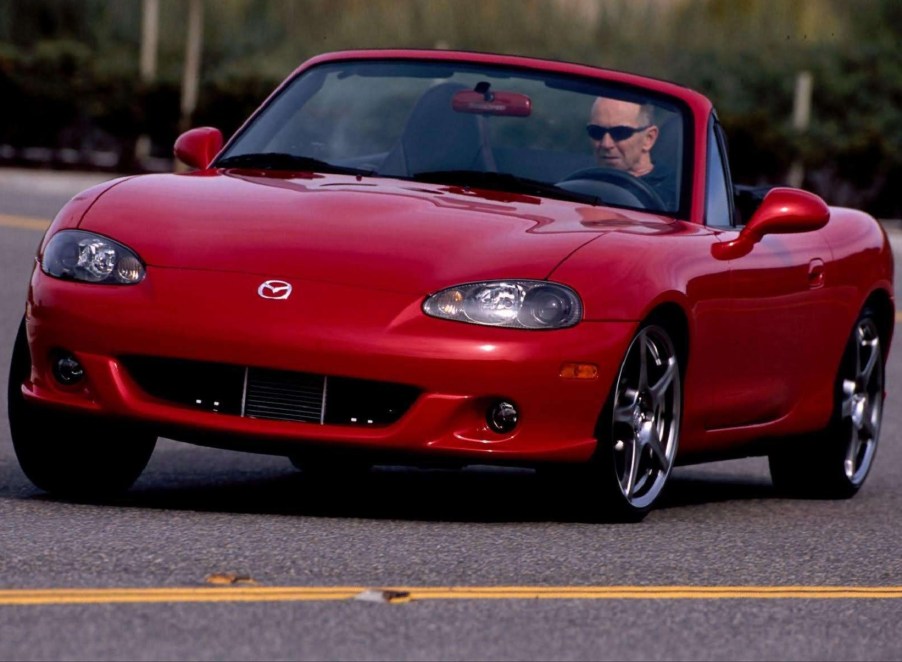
(284, 396)
(271, 394)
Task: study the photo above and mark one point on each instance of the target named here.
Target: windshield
(476, 125)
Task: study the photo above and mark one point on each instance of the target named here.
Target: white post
(191, 74)
(801, 118)
(150, 38)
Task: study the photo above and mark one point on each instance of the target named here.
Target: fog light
(502, 417)
(66, 368)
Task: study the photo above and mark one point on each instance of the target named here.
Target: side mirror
(786, 210)
(783, 211)
(198, 147)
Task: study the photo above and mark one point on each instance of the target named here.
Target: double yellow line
(86, 596)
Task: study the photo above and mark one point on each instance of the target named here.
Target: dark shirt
(663, 180)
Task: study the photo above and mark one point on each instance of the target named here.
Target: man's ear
(651, 135)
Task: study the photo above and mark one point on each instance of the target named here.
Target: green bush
(69, 79)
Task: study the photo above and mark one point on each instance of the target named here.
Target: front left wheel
(834, 463)
(68, 454)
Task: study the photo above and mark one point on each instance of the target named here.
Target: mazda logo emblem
(274, 289)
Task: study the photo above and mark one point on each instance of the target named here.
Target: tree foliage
(69, 68)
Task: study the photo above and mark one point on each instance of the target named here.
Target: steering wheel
(646, 195)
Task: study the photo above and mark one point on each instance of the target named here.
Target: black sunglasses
(618, 133)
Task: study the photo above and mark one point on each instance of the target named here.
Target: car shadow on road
(472, 495)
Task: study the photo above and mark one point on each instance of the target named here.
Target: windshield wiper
(503, 181)
(282, 161)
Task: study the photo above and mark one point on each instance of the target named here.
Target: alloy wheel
(646, 417)
(862, 401)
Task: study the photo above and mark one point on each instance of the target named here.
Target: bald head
(632, 153)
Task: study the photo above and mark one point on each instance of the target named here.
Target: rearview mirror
(198, 147)
(509, 104)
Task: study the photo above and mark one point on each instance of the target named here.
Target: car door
(779, 300)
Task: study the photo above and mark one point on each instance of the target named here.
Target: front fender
(72, 213)
(625, 274)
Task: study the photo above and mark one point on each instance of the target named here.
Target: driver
(622, 135)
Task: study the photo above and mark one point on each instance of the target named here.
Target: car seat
(436, 137)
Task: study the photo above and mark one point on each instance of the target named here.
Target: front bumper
(326, 329)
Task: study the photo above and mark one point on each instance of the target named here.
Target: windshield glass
(477, 125)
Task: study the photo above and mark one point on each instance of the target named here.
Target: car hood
(382, 233)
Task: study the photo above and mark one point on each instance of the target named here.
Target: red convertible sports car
(432, 256)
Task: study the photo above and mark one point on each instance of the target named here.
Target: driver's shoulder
(663, 180)
(660, 173)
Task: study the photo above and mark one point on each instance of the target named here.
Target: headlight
(522, 304)
(88, 257)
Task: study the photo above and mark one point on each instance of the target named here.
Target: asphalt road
(198, 512)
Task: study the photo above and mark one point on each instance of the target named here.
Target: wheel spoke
(632, 469)
(659, 389)
(871, 362)
(640, 482)
(870, 423)
(851, 463)
(657, 448)
(643, 362)
(848, 393)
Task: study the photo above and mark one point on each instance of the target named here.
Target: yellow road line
(24, 222)
(16, 597)
(899, 315)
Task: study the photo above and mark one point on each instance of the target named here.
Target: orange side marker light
(579, 371)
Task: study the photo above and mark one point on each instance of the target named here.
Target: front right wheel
(639, 431)
(835, 463)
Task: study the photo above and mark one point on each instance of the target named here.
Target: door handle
(816, 272)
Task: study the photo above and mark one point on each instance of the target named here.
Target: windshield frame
(584, 77)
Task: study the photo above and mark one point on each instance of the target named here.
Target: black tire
(71, 455)
(638, 433)
(835, 463)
